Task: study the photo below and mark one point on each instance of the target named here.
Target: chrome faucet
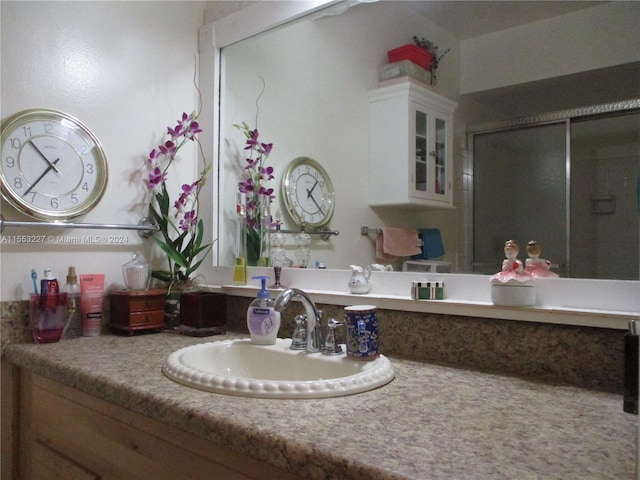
(313, 316)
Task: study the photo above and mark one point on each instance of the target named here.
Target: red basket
(414, 53)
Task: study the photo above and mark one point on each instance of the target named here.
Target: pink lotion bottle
(91, 297)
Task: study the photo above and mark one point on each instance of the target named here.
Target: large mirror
(305, 86)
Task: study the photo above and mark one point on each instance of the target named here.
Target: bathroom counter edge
(442, 420)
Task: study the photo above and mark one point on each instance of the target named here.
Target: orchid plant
(257, 173)
(181, 228)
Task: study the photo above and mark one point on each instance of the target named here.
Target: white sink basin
(238, 367)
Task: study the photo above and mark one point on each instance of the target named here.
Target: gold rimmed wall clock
(52, 166)
(308, 192)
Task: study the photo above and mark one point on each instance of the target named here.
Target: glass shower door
(520, 193)
(605, 172)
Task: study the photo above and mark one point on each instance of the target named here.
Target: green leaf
(194, 267)
(199, 234)
(161, 275)
(174, 255)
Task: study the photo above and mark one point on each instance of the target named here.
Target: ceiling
(468, 19)
(463, 19)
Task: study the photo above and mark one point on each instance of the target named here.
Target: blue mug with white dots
(361, 323)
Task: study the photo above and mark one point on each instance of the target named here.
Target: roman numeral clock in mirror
(52, 167)
(308, 193)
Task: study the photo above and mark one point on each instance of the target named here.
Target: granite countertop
(430, 422)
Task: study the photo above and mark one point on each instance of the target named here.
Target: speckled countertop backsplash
(580, 356)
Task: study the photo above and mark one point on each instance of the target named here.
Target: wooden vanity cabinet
(63, 433)
(411, 146)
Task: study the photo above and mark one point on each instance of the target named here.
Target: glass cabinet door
(422, 149)
(430, 175)
(439, 155)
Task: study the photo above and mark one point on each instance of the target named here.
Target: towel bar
(146, 227)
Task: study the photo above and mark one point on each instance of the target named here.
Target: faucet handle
(331, 346)
(299, 337)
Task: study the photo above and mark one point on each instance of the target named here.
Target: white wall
(126, 70)
(597, 37)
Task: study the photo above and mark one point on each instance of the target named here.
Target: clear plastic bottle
(263, 321)
(72, 289)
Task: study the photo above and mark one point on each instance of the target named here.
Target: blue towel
(432, 246)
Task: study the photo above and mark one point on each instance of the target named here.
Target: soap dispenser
(262, 320)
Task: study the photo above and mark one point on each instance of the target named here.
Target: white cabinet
(411, 130)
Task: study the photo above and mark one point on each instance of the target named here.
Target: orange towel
(392, 243)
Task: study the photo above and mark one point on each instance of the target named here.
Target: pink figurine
(512, 270)
(537, 267)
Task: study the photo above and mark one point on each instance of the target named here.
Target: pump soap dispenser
(262, 320)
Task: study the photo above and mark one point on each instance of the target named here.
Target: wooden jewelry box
(135, 310)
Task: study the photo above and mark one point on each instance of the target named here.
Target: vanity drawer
(143, 304)
(151, 319)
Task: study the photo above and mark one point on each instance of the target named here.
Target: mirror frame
(262, 17)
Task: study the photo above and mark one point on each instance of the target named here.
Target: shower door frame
(550, 118)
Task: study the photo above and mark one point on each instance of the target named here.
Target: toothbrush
(34, 277)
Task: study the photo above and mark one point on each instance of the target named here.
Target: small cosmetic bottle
(630, 403)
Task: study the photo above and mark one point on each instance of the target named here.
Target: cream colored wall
(126, 70)
(597, 37)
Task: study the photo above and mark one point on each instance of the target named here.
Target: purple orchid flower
(189, 221)
(257, 173)
(156, 178)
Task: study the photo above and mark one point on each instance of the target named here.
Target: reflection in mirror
(595, 156)
(318, 72)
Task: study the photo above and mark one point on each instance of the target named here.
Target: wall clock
(308, 192)
(52, 166)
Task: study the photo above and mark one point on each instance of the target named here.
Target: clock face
(308, 192)
(52, 167)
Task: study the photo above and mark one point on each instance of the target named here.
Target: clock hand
(309, 191)
(45, 158)
(50, 167)
(314, 201)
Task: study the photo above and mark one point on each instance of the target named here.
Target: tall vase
(265, 230)
(258, 229)
(172, 303)
(253, 246)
